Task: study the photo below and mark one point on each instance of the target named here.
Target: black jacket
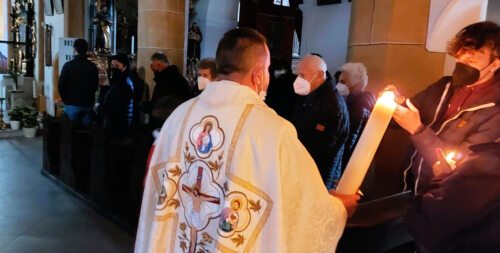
(322, 124)
(168, 82)
(116, 109)
(281, 96)
(460, 211)
(78, 82)
(138, 96)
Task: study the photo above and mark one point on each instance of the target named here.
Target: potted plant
(15, 117)
(29, 121)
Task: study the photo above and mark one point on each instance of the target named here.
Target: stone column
(74, 18)
(389, 36)
(162, 25)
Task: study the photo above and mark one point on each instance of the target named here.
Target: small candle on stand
(132, 48)
(34, 89)
(368, 143)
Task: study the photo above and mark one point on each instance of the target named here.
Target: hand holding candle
(368, 143)
(444, 164)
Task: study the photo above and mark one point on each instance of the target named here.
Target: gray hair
(357, 75)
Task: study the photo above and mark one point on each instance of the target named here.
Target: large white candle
(368, 143)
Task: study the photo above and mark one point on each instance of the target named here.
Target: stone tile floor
(38, 216)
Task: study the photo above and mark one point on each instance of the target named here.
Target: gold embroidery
(238, 240)
(462, 123)
(183, 128)
(175, 221)
(175, 171)
(254, 205)
(174, 202)
(236, 134)
(245, 184)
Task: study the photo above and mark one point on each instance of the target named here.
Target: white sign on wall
(66, 51)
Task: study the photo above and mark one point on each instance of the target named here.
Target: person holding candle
(460, 211)
(321, 118)
(452, 115)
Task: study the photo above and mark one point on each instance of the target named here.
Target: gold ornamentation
(174, 202)
(238, 240)
(254, 205)
(175, 171)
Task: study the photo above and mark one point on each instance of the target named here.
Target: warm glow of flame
(450, 157)
(387, 97)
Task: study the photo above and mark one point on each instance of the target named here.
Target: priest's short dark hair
(238, 49)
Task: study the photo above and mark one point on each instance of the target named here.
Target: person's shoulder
(270, 121)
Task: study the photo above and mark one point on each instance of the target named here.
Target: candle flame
(387, 97)
(450, 157)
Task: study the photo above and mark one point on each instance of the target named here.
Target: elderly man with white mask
(321, 118)
(352, 84)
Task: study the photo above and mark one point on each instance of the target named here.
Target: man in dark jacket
(320, 117)
(170, 85)
(454, 114)
(77, 85)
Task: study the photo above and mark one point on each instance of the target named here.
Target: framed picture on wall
(47, 6)
(59, 6)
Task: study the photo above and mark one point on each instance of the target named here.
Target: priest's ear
(258, 75)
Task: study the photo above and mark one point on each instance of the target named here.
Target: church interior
(68, 187)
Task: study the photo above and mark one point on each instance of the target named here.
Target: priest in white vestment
(229, 175)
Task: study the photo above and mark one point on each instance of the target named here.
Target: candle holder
(3, 125)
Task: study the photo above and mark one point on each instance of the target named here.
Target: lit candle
(450, 160)
(132, 49)
(368, 143)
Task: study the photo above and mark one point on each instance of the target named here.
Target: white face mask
(343, 89)
(301, 86)
(202, 82)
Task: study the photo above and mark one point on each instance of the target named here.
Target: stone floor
(38, 216)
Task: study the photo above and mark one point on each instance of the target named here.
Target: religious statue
(103, 27)
(194, 41)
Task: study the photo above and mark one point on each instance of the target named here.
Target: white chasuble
(229, 175)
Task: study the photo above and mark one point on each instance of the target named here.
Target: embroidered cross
(198, 198)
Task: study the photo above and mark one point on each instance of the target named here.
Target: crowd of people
(276, 142)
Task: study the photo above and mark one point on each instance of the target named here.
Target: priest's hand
(400, 99)
(408, 118)
(350, 201)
